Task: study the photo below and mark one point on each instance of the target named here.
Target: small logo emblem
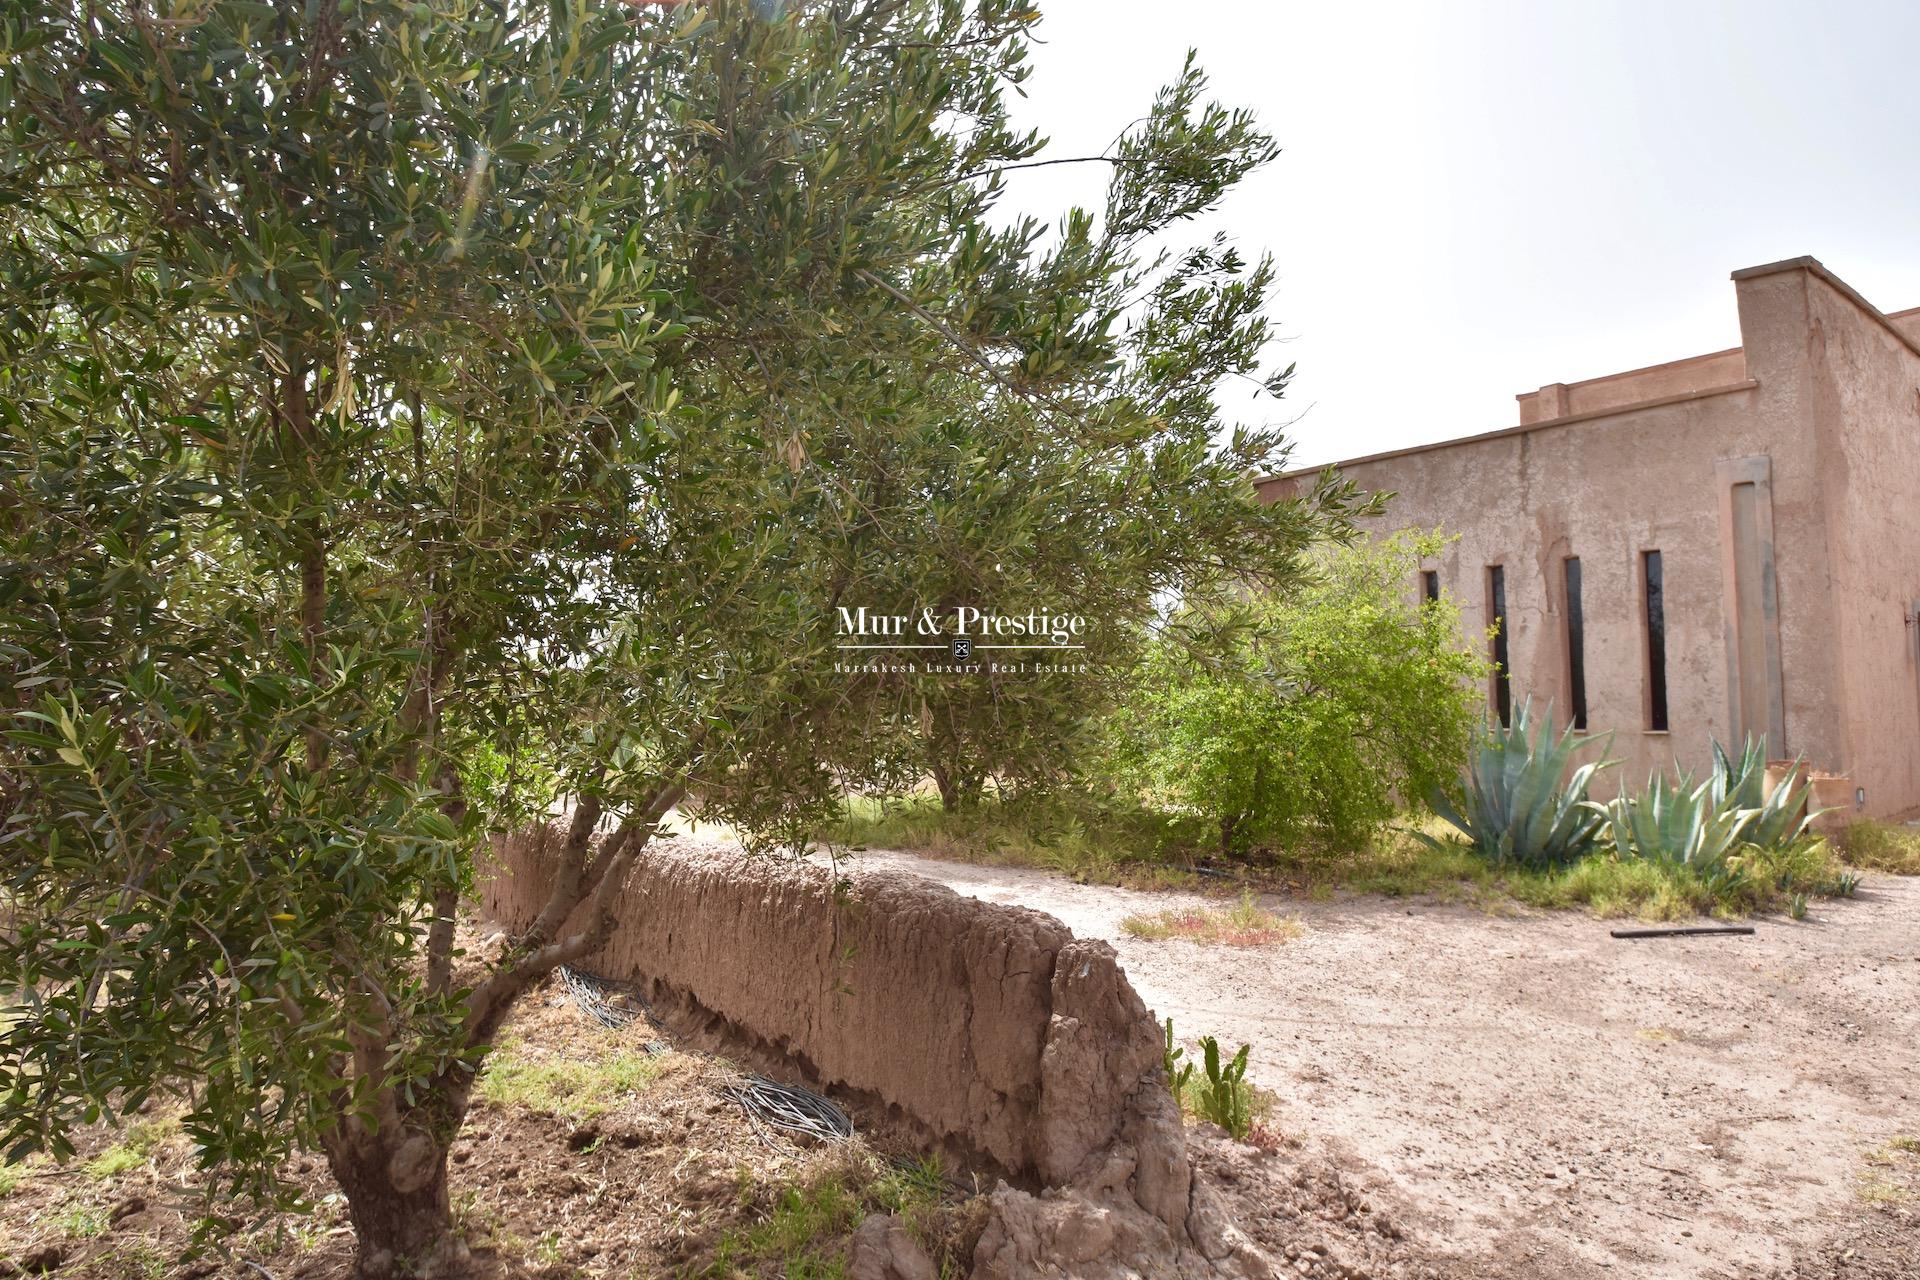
(962, 648)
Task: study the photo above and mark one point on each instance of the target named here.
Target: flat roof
(1804, 263)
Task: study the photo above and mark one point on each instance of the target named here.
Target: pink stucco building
(1721, 546)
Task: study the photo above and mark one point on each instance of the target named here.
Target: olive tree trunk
(394, 1172)
(396, 1190)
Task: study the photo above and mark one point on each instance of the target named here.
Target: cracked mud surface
(1541, 1099)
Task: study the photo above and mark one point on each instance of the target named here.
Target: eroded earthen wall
(940, 1009)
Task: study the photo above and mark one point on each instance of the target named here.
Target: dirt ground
(597, 1159)
(1460, 1095)
(579, 1171)
(1539, 1099)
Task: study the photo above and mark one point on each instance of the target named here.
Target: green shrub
(1520, 805)
(1305, 718)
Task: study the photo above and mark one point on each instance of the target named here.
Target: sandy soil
(1543, 1100)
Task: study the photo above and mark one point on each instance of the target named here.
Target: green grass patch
(83, 1221)
(577, 1088)
(1244, 924)
(133, 1151)
(1882, 846)
(803, 1234)
(1751, 881)
(1878, 1189)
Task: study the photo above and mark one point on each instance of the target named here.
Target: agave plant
(1676, 821)
(1521, 805)
(1779, 818)
(1743, 783)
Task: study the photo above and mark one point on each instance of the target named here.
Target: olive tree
(388, 389)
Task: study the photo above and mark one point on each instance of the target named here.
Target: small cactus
(1225, 1097)
(1177, 1075)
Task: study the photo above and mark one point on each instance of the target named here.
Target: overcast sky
(1476, 198)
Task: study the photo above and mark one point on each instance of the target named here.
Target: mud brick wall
(988, 1029)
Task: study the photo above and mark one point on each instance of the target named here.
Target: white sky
(1476, 198)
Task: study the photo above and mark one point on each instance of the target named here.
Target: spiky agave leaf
(1742, 785)
(1782, 816)
(1518, 806)
(1676, 821)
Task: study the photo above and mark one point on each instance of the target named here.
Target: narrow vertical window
(1497, 619)
(1430, 584)
(1656, 641)
(1576, 646)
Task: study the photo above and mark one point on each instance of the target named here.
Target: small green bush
(1305, 718)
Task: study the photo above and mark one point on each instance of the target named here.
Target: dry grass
(1882, 846)
(1244, 924)
(1891, 1179)
(1139, 850)
(1077, 838)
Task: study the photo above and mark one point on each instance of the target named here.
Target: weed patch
(83, 1221)
(141, 1139)
(1244, 924)
(577, 1088)
(1882, 846)
(803, 1233)
(1891, 1179)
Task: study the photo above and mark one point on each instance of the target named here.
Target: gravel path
(1547, 1101)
